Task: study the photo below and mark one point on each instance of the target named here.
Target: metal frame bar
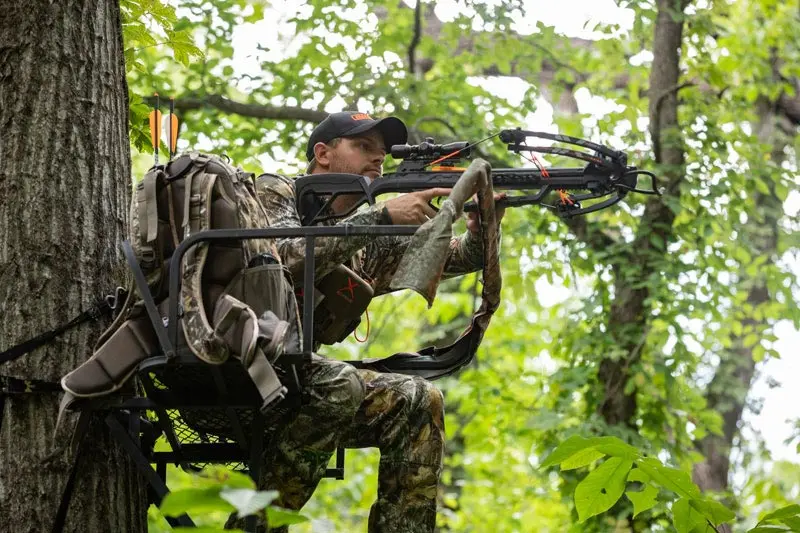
(155, 481)
(168, 336)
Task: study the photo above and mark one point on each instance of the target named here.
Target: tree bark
(64, 192)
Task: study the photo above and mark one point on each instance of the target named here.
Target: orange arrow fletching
(155, 129)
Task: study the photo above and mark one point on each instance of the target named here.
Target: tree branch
(788, 105)
(412, 48)
(263, 111)
(441, 121)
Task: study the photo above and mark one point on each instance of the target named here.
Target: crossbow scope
(427, 149)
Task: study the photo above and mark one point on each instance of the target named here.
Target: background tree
(64, 197)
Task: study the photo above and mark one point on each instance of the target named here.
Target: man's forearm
(466, 255)
(332, 251)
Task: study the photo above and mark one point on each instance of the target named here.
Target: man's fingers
(433, 193)
(429, 211)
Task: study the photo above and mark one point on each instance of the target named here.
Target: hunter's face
(363, 155)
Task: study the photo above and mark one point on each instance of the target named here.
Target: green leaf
(248, 501)
(206, 530)
(685, 517)
(657, 241)
(750, 340)
(221, 477)
(616, 448)
(642, 500)
(672, 479)
(792, 521)
(577, 444)
(714, 511)
(567, 449)
(194, 500)
(277, 517)
(582, 458)
(783, 512)
(601, 488)
(637, 474)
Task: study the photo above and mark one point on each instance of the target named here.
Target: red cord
(355, 332)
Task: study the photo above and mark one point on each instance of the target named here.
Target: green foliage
(149, 25)
(783, 519)
(215, 493)
(604, 485)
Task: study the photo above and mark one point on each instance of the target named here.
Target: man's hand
(474, 225)
(414, 207)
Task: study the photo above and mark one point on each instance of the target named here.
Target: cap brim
(392, 128)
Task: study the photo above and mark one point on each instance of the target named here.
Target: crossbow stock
(569, 192)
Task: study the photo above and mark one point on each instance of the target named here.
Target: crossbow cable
(421, 270)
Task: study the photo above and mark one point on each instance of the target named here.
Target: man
(401, 415)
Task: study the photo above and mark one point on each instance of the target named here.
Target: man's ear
(322, 154)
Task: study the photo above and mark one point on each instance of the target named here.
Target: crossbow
(569, 192)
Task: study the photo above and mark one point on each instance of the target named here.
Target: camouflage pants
(401, 415)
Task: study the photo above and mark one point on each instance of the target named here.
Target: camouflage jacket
(373, 258)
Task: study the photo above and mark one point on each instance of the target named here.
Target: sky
(576, 18)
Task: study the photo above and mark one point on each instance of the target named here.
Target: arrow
(155, 129)
(171, 128)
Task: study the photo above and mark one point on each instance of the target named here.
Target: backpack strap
(144, 214)
(151, 206)
(199, 332)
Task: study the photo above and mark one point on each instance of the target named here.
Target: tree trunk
(629, 313)
(727, 392)
(64, 192)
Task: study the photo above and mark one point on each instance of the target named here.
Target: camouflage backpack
(236, 296)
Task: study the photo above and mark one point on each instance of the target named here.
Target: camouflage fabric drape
(423, 264)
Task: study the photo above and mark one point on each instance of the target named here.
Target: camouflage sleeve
(466, 255)
(383, 255)
(277, 195)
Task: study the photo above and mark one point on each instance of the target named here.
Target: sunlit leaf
(194, 500)
(248, 501)
(602, 487)
(280, 517)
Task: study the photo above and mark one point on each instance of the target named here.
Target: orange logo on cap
(361, 116)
